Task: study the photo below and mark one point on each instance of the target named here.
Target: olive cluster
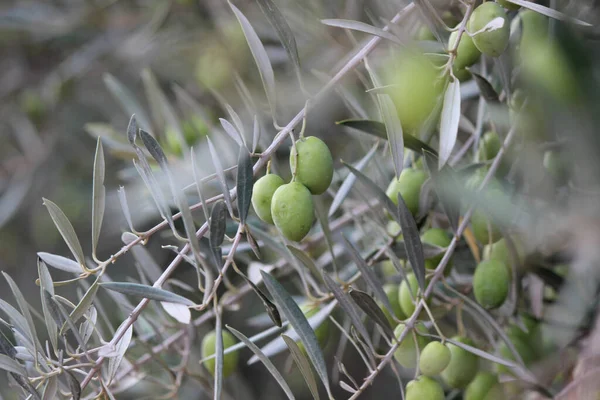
(289, 206)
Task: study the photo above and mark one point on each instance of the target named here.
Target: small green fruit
(484, 230)
(499, 251)
(435, 357)
(485, 386)
(533, 25)
(491, 43)
(214, 68)
(462, 74)
(424, 388)
(392, 293)
(208, 349)
(436, 237)
(409, 186)
(262, 195)
(466, 54)
(313, 164)
(556, 166)
(292, 210)
(406, 353)
(463, 365)
(489, 146)
(523, 348)
(490, 283)
(508, 5)
(322, 331)
(424, 33)
(408, 286)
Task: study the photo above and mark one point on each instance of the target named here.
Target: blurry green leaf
(66, 230)
(269, 306)
(393, 129)
(245, 183)
(154, 148)
(305, 260)
(125, 207)
(483, 354)
(132, 129)
(368, 274)
(221, 175)
(218, 225)
(267, 363)
(120, 349)
(178, 311)
(377, 129)
(260, 57)
(346, 186)
(255, 134)
(232, 132)
(449, 121)
(485, 88)
(549, 12)
(127, 100)
(198, 183)
(237, 121)
(87, 328)
(446, 185)
(10, 365)
(60, 262)
(218, 354)
(16, 319)
(98, 195)
(144, 291)
(83, 306)
(361, 27)
(74, 385)
(24, 308)
(294, 315)
(370, 307)
(253, 244)
(412, 242)
(349, 308)
(303, 366)
(53, 310)
(284, 32)
(430, 18)
(51, 388)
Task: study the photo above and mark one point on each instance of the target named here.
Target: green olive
(485, 386)
(434, 358)
(491, 282)
(409, 186)
(489, 146)
(484, 230)
(214, 68)
(523, 349)
(323, 330)
(508, 5)
(499, 251)
(424, 33)
(462, 74)
(408, 286)
(556, 166)
(466, 53)
(436, 237)
(392, 292)
(463, 365)
(406, 353)
(292, 210)
(532, 25)
(491, 43)
(262, 195)
(230, 360)
(424, 388)
(414, 91)
(313, 164)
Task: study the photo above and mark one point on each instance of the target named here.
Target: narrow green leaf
(98, 195)
(74, 385)
(220, 174)
(255, 134)
(269, 306)
(24, 308)
(377, 129)
(412, 242)
(53, 309)
(17, 320)
(253, 244)
(483, 354)
(549, 12)
(370, 307)
(218, 354)
(260, 57)
(294, 315)
(83, 306)
(64, 315)
(346, 186)
(445, 182)
(237, 121)
(125, 207)
(153, 148)
(485, 88)
(51, 388)
(145, 291)
(178, 311)
(267, 363)
(60, 262)
(394, 132)
(10, 365)
(66, 230)
(429, 250)
(232, 132)
(303, 366)
(132, 129)
(368, 274)
(283, 30)
(449, 121)
(349, 307)
(89, 325)
(120, 349)
(217, 227)
(306, 261)
(245, 183)
(198, 183)
(127, 100)
(361, 27)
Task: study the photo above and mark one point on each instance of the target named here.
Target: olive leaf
(220, 174)
(245, 182)
(232, 132)
(549, 12)
(66, 230)
(303, 366)
(60, 262)
(24, 308)
(370, 307)
(269, 306)
(485, 88)
(98, 195)
(145, 291)
(412, 242)
(218, 353)
(449, 121)
(361, 27)
(127, 101)
(120, 348)
(394, 132)
(447, 187)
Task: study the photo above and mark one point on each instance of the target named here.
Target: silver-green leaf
(145, 291)
(449, 121)
(66, 230)
(245, 183)
(98, 195)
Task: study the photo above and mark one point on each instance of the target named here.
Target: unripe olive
(434, 358)
(424, 33)
(499, 251)
(523, 349)
(462, 74)
(230, 360)
(406, 353)
(408, 286)
(414, 90)
(532, 336)
(466, 53)
(508, 5)
(321, 332)
(491, 43)
(485, 386)
(490, 283)
(532, 25)
(313, 164)
(393, 228)
(555, 165)
(392, 292)
(214, 68)
(463, 365)
(262, 195)
(292, 210)
(424, 388)
(489, 146)
(436, 237)
(484, 230)
(409, 186)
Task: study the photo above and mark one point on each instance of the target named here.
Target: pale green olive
(494, 42)
(262, 195)
(313, 164)
(292, 210)
(230, 360)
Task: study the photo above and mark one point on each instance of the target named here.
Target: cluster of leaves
(344, 265)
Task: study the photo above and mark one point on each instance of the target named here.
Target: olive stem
(437, 328)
